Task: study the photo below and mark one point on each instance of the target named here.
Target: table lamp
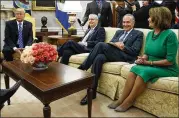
(72, 7)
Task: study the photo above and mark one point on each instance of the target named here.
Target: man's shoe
(84, 101)
(5, 94)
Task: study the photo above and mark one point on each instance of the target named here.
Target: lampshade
(72, 6)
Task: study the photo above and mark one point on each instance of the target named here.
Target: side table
(60, 40)
(42, 36)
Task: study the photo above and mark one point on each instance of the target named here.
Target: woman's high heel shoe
(114, 104)
(123, 109)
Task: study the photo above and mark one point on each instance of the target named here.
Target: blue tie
(20, 41)
(122, 38)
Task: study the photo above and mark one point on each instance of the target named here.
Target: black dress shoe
(84, 101)
(5, 94)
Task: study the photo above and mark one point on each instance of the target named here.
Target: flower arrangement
(39, 53)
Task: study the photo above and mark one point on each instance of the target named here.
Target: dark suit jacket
(98, 35)
(11, 34)
(123, 11)
(142, 15)
(132, 43)
(106, 13)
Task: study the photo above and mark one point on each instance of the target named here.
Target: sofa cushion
(125, 70)
(113, 67)
(78, 58)
(74, 65)
(167, 84)
(109, 67)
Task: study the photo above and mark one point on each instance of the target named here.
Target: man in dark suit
(142, 22)
(92, 36)
(130, 7)
(126, 46)
(18, 34)
(5, 94)
(102, 9)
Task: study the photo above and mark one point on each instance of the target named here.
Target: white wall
(7, 4)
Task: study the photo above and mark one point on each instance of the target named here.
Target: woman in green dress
(159, 59)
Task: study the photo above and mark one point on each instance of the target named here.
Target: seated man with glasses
(92, 36)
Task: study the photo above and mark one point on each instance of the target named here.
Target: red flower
(44, 52)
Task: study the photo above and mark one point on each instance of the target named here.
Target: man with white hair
(18, 34)
(92, 36)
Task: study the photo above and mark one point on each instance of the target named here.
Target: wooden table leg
(47, 111)
(6, 79)
(89, 92)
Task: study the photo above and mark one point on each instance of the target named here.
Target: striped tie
(20, 41)
(122, 38)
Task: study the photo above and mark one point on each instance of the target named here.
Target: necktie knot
(20, 23)
(20, 26)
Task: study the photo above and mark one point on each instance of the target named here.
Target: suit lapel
(119, 35)
(89, 37)
(86, 32)
(129, 36)
(24, 28)
(15, 26)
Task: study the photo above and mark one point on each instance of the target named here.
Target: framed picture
(45, 5)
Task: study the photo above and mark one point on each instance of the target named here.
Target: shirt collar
(129, 31)
(18, 23)
(93, 28)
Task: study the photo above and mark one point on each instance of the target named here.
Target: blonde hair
(161, 17)
(19, 10)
